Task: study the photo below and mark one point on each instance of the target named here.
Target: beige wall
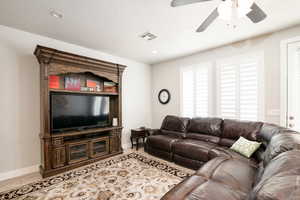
(19, 102)
(166, 75)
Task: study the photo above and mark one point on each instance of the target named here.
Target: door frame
(284, 79)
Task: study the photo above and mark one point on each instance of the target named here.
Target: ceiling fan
(229, 10)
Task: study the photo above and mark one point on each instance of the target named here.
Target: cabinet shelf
(87, 131)
(84, 92)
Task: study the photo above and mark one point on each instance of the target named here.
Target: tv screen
(77, 111)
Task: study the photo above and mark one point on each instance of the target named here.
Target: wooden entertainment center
(67, 150)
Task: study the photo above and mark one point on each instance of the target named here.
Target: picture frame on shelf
(72, 83)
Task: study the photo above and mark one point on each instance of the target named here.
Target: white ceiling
(113, 26)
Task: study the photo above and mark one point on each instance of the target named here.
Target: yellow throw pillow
(245, 147)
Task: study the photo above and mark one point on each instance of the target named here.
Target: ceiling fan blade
(176, 3)
(210, 19)
(256, 14)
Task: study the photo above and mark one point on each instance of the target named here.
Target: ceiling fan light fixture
(231, 10)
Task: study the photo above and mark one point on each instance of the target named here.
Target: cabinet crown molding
(60, 62)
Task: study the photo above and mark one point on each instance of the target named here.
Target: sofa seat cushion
(202, 137)
(228, 153)
(226, 142)
(200, 188)
(193, 149)
(231, 172)
(162, 142)
(220, 178)
(187, 162)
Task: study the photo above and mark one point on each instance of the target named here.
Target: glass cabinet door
(77, 152)
(99, 147)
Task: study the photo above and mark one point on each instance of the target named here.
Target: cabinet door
(115, 141)
(78, 152)
(58, 157)
(99, 147)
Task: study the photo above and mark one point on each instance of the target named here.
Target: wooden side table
(137, 134)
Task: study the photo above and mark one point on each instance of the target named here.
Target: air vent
(148, 36)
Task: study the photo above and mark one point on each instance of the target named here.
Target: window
(240, 89)
(237, 92)
(195, 91)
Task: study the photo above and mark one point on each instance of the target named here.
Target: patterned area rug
(131, 176)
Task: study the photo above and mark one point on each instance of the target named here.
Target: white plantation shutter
(188, 93)
(195, 91)
(201, 92)
(239, 91)
(249, 91)
(228, 101)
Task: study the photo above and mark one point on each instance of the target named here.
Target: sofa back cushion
(282, 186)
(269, 130)
(233, 129)
(207, 126)
(174, 123)
(281, 143)
(284, 162)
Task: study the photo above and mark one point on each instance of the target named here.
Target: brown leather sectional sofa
(273, 172)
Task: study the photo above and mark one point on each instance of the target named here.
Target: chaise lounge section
(273, 172)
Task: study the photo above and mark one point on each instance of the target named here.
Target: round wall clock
(164, 96)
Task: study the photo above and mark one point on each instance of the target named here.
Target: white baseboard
(126, 146)
(18, 172)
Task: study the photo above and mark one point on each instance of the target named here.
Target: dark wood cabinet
(67, 150)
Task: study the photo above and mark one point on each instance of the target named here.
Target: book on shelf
(110, 86)
(53, 82)
(92, 83)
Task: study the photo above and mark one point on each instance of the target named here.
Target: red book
(92, 84)
(54, 82)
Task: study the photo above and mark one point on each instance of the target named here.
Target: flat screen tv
(78, 111)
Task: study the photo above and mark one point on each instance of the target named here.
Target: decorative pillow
(245, 147)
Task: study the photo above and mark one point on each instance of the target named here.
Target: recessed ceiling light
(154, 52)
(55, 14)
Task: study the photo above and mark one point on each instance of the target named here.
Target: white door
(293, 86)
